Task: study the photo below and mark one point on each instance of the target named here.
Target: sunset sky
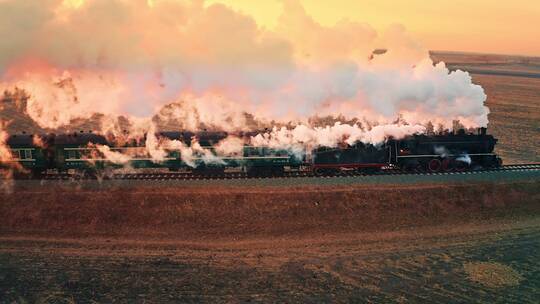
(510, 27)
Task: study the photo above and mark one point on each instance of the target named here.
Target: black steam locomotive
(422, 153)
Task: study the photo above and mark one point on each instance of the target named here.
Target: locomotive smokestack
(483, 131)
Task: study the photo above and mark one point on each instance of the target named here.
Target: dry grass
(494, 275)
(492, 62)
(238, 212)
(412, 266)
(386, 244)
(514, 103)
(56, 298)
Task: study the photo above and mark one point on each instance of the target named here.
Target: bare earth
(422, 265)
(352, 243)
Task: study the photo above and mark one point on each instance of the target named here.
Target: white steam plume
(222, 70)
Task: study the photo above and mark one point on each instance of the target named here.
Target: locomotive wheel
(326, 172)
(36, 174)
(319, 171)
(89, 173)
(104, 173)
(434, 165)
(209, 171)
(447, 165)
(420, 167)
(333, 172)
(259, 172)
(367, 171)
(411, 166)
(460, 165)
(22, 174)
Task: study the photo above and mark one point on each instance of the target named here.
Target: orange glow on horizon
(75, 4)
(477, 26)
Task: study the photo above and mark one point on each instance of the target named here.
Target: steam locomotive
(425, 153)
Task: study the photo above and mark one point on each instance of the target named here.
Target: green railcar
(81, 152)
(71, 151)
(269, 157)
(249, 159)
(26, 152)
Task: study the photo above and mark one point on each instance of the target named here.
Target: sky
(486, 26)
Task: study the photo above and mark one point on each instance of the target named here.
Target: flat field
(393, 243)
(474, 263)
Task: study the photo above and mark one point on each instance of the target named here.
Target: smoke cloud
(197, 66)
(7, 166)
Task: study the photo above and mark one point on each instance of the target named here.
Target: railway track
(287, 174)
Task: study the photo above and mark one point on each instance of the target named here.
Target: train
(77, 152)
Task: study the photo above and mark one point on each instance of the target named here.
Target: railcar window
(72, 154)
(88, 154)
(251, 151)
(133, 152)
(15, 154)
(27, 154)
(281, 153)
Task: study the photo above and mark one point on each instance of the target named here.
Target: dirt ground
(364, 243)
(422, 265)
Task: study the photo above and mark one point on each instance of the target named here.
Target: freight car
(433, 153)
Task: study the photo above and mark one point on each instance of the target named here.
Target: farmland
(389, 243)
